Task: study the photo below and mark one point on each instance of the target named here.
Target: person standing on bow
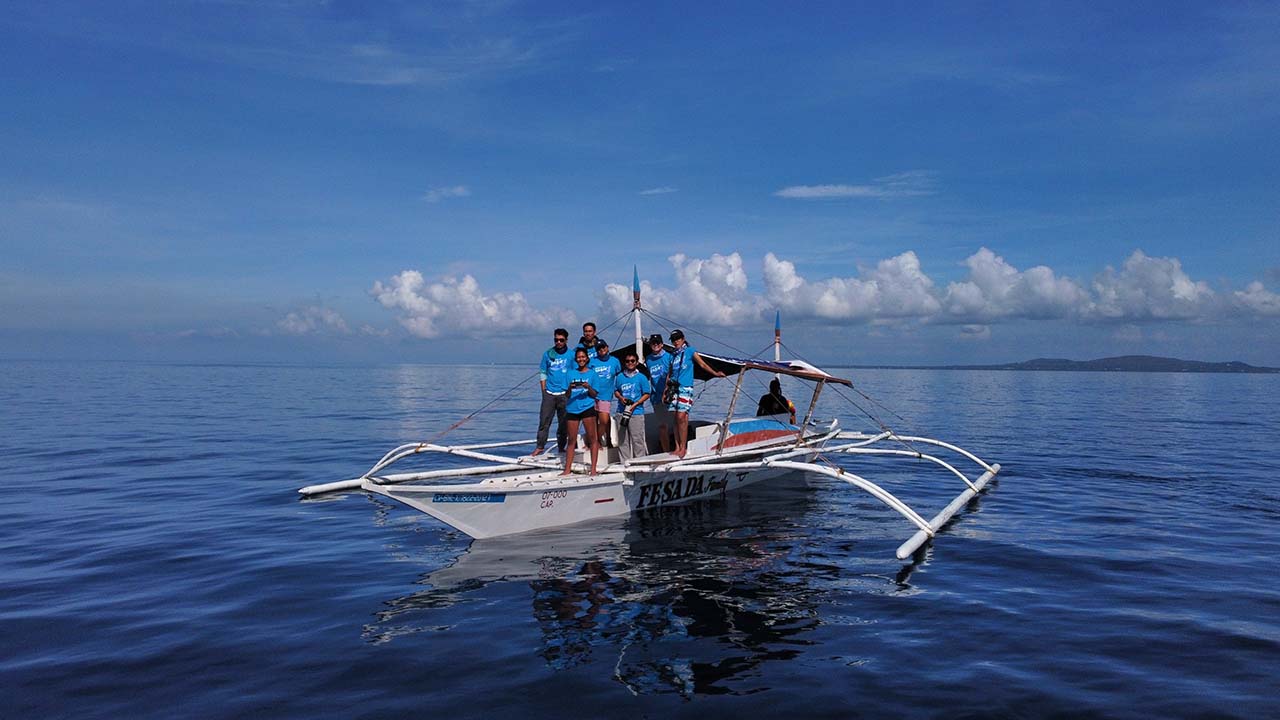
(659, 364)
(581, 407)
(554, 371)
(605, 368)
(679, 392)
(631, 388)
(588, 340)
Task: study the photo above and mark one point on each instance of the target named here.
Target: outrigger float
(519, 493)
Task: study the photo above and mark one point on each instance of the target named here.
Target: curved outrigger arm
(838, 473)
(973, 487)
(926, 529)
(501, 463)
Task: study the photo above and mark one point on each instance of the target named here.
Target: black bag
(669, 394)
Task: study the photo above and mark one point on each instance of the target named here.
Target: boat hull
(516, 504)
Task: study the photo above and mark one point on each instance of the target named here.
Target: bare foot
(564, 474)
(537, 452)
(679, 453)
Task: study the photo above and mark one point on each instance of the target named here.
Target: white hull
(511, 504)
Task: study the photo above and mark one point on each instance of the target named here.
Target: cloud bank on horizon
(718, 292)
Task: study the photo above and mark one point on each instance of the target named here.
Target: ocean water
(156, 561)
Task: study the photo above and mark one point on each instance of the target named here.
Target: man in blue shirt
(554, 371)
(681, 378)
(631, 388)
(659, 364)
(588, 339)
(605, 369)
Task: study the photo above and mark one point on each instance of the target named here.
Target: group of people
(585, 386)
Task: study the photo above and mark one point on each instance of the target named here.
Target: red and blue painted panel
(745, 432)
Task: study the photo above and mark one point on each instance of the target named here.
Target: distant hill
(1124, 363)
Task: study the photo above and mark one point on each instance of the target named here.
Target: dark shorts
(590, 413)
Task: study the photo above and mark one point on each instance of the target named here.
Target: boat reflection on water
(687, 599)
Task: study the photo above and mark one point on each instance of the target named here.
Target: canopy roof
(733, 366)
(794, 368)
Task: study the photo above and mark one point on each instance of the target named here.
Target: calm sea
(156, 561)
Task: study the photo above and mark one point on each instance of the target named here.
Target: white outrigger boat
(519, 493)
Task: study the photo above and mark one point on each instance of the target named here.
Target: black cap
(655, 338)
(601, 343)
(676, 335)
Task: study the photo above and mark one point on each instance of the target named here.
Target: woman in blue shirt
(581, 409)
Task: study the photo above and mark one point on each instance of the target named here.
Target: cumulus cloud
(719, 291)
(995, 289)
(436, 194)
(897, 288)
(906, 184)
(1149, 288)
(311, 321)
(1258, 299)
(455, 305)
(712, 291)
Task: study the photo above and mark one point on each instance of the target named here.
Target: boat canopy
(794, 368)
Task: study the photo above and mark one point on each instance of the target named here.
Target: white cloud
(1258, 299)
(718, 291)
(712, 291)
(1148, 288)
(312, 320)
(897, 288)
(906, 184)
(664, 190)
(458, 306)
(435, 195)
(995, 289)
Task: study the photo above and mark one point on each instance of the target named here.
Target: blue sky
(395, 181)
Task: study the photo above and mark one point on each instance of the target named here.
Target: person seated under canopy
(775, 403)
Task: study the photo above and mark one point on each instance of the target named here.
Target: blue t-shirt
(555, 369)
(682, 366)
(605, 370)
(659, 365)
(632, 387)
(579, 400)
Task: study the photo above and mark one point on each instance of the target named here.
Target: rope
(880, 423)
(482, 408)
(661, 320)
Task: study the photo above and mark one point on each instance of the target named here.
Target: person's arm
(697, 357)
(542, 372)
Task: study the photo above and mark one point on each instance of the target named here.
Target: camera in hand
(625, 419)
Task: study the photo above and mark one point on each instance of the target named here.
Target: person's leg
(664, 429)
(572, 445)
(562, 431)
(545, 411)
(602, 424)
(635, 441)
(593, 440)
(682, 433)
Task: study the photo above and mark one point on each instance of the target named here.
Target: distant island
(1124, 363)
